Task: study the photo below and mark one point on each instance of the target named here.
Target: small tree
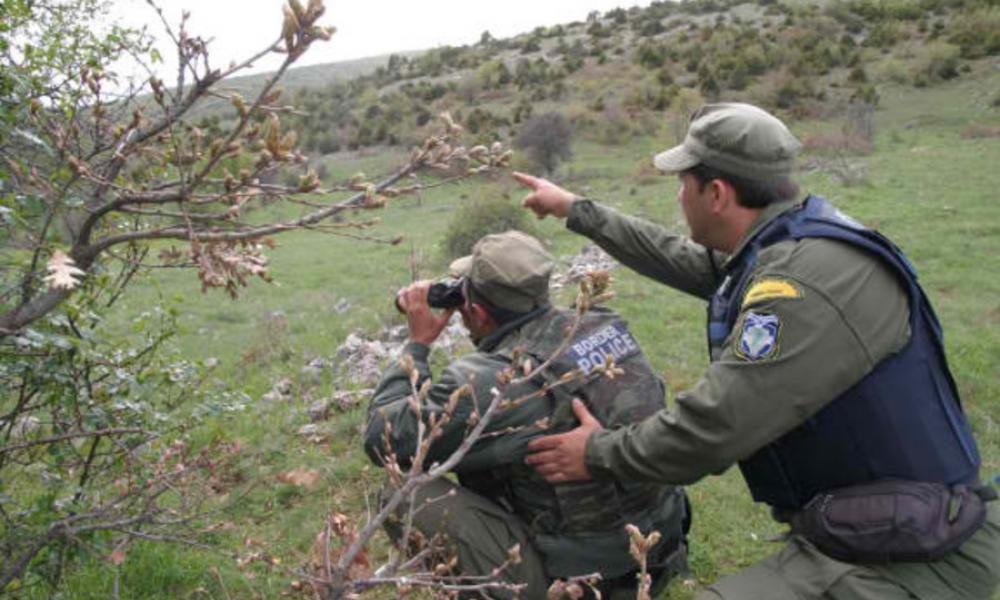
(546, 138)
(95, 184)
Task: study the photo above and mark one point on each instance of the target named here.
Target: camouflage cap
(740, 139)
(510, 270)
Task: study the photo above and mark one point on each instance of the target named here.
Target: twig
(70, 436)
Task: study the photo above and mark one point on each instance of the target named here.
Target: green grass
(930, 190)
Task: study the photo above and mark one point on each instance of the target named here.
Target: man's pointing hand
(546, 198)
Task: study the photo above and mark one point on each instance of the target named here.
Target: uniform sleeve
(648, 248)
(505, 437)
(390, 405)
(785, 359)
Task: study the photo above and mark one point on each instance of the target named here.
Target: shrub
(884, 36)
(858, 75)
(977, 32)
(546, 139)
(482, 216)
(613, 127)
(938, 61)
(891, 70)
(651, 56)
(530, 45)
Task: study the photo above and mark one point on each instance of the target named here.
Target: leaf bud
(240, 105)
(309, 182)
(216, 147)
(264, 158)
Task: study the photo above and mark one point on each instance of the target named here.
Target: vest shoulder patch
(758, 336)
(771, 288)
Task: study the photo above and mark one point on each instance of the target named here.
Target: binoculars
(444, 293)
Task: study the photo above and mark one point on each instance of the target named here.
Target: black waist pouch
(892, 520)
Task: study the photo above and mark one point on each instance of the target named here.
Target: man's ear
(721, 195)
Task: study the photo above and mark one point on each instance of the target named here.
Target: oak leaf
(63, 272)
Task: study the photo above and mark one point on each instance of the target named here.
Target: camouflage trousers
(801, 572)
(480, 533)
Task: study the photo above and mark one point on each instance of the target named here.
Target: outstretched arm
(645, 247)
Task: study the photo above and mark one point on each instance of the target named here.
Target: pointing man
(827, 382)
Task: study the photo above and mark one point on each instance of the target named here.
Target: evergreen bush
(482, 216)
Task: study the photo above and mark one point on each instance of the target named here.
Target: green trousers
(480, 532)
(801, 572)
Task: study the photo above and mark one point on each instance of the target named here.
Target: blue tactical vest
(903, 420)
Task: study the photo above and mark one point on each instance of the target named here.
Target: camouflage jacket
(577, 528)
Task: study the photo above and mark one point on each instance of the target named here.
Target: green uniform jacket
(846, 314)
(841, 313)
(578, 528)
(390, 405)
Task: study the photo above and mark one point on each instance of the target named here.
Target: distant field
(929, 188)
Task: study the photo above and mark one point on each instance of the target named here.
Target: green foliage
(882, 10)
(977, 32)
(938, 61)
(493, 75)
(484, 124)
(531, 45)
(68, 379)
(477, 218)
(651, 55)
(858, 75)
(884, 35)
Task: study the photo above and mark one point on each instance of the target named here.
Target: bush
(546, 139)
(483, 216)
(613, 127)
(977, 33)
(937, 61)
(891, 70)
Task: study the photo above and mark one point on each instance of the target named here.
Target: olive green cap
(510, 270)
(736, 138)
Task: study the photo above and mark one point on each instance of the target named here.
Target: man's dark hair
(750, 193)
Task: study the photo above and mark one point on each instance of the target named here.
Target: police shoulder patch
(770, 288)
(758, 337)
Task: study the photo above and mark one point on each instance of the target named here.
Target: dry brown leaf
(117, 557)
(342, 534)
(63, 273)
(299, 477)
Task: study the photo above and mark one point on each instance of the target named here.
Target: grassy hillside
(925, 176)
